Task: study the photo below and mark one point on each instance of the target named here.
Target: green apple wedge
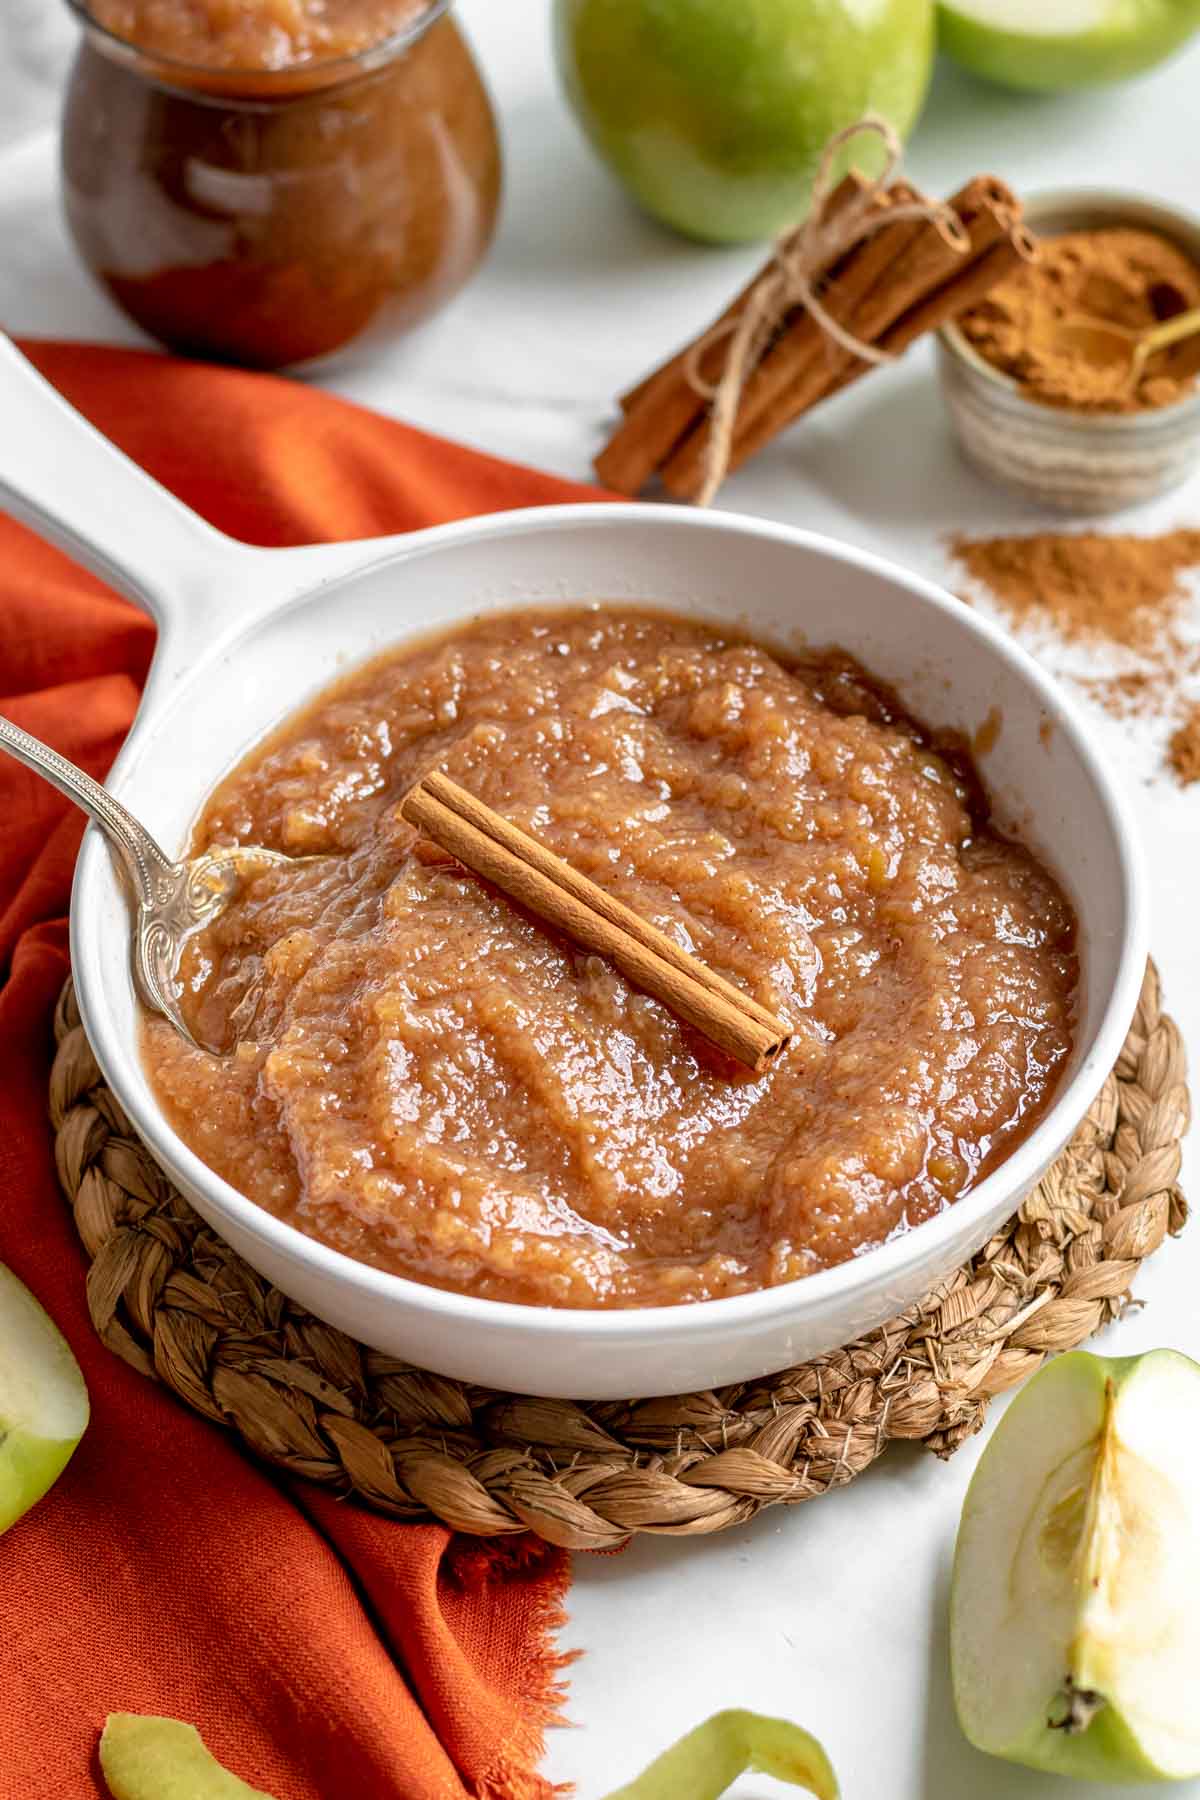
(43, 1401)
(1052, 46)
(714, 113)
(143, 1757)
(1075, 1605)
(710, 1759)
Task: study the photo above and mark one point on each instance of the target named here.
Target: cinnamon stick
(991, 251)
(851, 184)
(674, 365)
(938, 308)
(802, 345)
(664, 407)
(499, 851)
(896, 280)
(897, 270)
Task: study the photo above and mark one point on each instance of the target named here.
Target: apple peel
(43, 1400)
(709, 1760)
(1074, 1628)
(148, 1758)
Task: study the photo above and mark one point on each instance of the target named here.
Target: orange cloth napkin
(324, 1653)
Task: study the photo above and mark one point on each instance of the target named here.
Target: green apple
(146, 1758)
(714, 112)
(1051, 45)
(1075, 1608)
(43, 1402)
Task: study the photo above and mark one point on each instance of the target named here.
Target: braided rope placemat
(175, 1301)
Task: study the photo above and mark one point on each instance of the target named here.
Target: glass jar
(270, 217)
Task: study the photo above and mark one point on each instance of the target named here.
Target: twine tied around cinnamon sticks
(875, 265)
(792, 279)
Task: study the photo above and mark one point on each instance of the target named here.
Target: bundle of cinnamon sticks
(898, 280)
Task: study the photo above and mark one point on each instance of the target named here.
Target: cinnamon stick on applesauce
(499, 851)
(896, 280)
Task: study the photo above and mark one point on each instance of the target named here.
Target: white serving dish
(245, 635)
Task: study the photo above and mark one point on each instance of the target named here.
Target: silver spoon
(173, 899)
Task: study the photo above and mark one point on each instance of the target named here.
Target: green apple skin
(713, 113)
(1065, 1406)
(43, 1401)
(29, 1468)
(1135, 36)
(708, 1760)
(143, 1757)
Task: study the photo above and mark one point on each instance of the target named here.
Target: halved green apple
(147, 1758)
(1075, 1608)
(43, 1401)
(1051, 46)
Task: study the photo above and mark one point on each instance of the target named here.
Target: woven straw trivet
(171, 1298)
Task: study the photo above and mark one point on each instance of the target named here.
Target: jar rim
(318, 71)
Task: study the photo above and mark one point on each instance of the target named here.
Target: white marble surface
(833, 1614)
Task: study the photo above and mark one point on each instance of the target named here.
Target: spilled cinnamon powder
(1129, 695)
(1090, 587)
(1183, 751)
(1121, 593)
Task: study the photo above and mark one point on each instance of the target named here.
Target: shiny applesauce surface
(268, 34)
(430, 1080)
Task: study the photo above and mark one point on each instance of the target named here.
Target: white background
(833, 1614)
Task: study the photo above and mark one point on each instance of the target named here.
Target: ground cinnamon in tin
(1119, 276)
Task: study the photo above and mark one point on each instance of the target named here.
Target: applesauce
(430, 1080)
(266, 34)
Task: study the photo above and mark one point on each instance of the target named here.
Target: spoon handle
(151, 872)
(1172, 331)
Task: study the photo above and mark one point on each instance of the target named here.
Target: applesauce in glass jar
(264, 181)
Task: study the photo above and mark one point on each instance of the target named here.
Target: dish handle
(62, 477)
